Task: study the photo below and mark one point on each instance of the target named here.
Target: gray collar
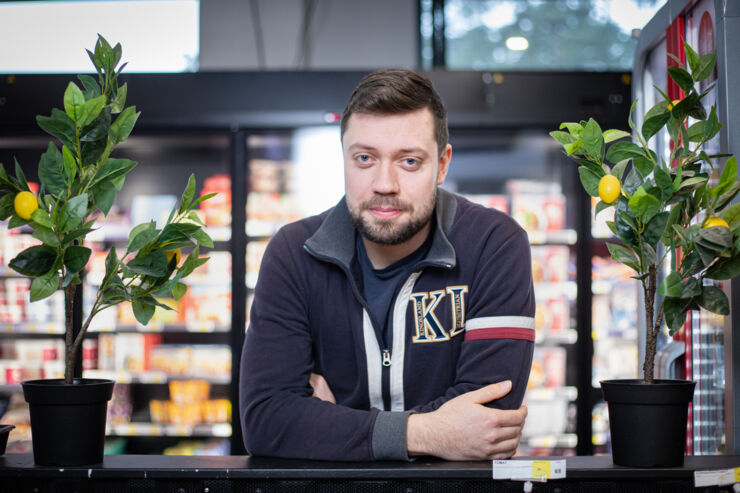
(335, 239)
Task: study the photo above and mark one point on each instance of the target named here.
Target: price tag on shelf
(539, 470)
(719, 477)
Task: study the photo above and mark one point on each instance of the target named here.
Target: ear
(444, 164)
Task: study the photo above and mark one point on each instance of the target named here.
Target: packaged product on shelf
(550, 263)
(217, 210)
(537, 206)
(558, 309)
(120, 406)
(255, 252)
(145, 208)
(132, 352)
(189, 391)
(498, 202)
(47, 311)
(208, 303)
(89, 353)
(266, 175)
(268, 212)
(107, 352)
(171, 359)
(211, 360)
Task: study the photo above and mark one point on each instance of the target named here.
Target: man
(399, 322)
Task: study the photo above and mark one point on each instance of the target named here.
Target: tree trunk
(651, 333)
(69, 356)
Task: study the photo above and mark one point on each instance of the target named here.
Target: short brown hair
(394, 91)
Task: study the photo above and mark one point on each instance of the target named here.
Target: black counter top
(241, 467)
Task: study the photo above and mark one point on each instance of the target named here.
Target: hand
(321, 388)
(464, 429)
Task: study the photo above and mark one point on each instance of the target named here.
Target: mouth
(385, 212)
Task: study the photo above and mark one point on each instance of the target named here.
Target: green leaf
(714, 299)
(187, 194)
(203, 198)
(574, 128)
(600, 206)
(673, 218)
(113, 168)
(691, 184)
(589, 180)
(613, 134)
(707, 255)
(622, 227)
(44, 286)
(682, 78)
(644, 205)
(718, 235)
(51, 171)
(179, 290)
(618, 169)
(653, 125)
(691, 288)
(573, 147)
(647, 254)
(623, 255)
(74, 101)
(593, 139)
(732, 216)
(59, 125)
(727, 197)
(98, 128)
(729, 175)
(630, 121)
(103, 196)
(177, 232)
(20, 176)
(619, 151)
(152, 264)
(34, 261)
(691, 57)
(655, 228)
(90, 110)
(73, 212)
(70, 165)
(121, 128)
(120, 100)
(724, 269)
(45, 235)
(664, 182)
(671, 285)
(204, 240)
(675, 310)
(76, 257)
(111, 265)
(41, 217)
(706, 66)
(141, 236)
(92, 151)
(92, 89)
(142, 311)
(686, 106)
(563, 137)
(643, 165)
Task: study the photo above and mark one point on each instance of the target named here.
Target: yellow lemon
(673, 103)
(176, 253)
(715, 221)
(609, 188)
(24, 204)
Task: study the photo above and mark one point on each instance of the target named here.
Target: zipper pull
(386, 357)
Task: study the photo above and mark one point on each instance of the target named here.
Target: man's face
(391, 173)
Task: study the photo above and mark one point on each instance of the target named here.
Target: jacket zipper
(386, 357)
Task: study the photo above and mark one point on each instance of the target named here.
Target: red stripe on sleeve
(500, 333)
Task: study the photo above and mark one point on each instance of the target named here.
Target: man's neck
(381, 256)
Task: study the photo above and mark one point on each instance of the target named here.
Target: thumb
(491, 392)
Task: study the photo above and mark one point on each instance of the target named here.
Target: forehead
(372, 128)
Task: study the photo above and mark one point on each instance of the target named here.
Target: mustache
(385, 203)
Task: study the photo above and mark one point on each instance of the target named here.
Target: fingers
(321, 388)
(490, 392)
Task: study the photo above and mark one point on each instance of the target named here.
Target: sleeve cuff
(389, 436)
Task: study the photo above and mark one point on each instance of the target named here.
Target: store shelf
(562, 237)
(551, 393)
(152, 377)
(546, 290)
(565, 440)
(169, 430)
(568, 336)
(50, 328)
(153, 327)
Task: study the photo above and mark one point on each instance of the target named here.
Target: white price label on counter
(720, 477)
(529, 469)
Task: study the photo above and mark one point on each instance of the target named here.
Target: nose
(385, 181)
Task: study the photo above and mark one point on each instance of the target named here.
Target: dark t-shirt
(380, 286)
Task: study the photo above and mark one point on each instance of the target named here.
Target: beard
(390, 231)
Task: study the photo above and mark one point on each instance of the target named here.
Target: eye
(363, 159)
(411, 162)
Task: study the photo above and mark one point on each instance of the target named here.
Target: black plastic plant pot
(648, 421)
(68, 421)
(4, 432)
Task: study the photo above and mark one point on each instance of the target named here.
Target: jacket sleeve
(279, 416)
(499, 323)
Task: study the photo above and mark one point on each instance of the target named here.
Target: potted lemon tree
(678, 231)
(78, 182)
